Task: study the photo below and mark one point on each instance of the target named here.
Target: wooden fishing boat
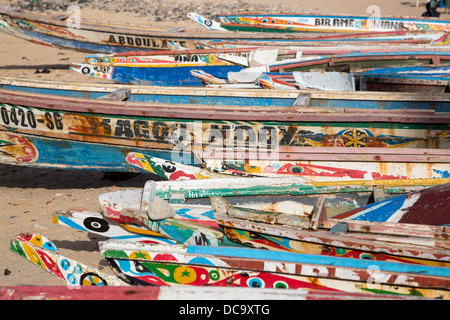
(358, 62)
(181, 293)
(136, 69)
(159, 67)
(242, 97)
(420, 74)
(392, 231)
(45, 152)
(126, 216)
(262, 134)
(293, 196)
(285, 22)
(414, 79)
(67, 31)
(351, 166)
(96, 223)
(40, 251)
(246, 267)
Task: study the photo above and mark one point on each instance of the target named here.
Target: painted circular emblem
(354, 138)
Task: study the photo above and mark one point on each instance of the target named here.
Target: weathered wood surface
(97, 224)
(362, 62)
(350, 244)
(43, 253)
(95, 36)
(179, 293)
(242, 186)
(313, 22)
(243, 97)
(282, 232)
(270, 269)
(134, 124)
(39, 151)
(292, 270)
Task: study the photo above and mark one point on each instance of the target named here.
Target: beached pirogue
(317, 138)
(312, 22)
(409, 257)
(174, 68)
(69, 31)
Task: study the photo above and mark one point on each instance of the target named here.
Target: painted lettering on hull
(144, 42)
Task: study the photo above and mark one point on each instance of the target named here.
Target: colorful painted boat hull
(173, 265)
(43, 253)
(418, 236)
(162, 67)
(39, 151)
(326, 23)
(160, 76)
(180, 293)
(232, 132)
(266, 269)
(91, 36)
(357, 62)
(249, 97)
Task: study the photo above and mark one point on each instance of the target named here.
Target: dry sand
(29, 196)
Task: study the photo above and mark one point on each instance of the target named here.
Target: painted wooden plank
(279, 22)
(318, 171)
(39, 151)
(292, 271)
(43, 253)
(179, 293)
(94, 36)
(269, 227)
(319, 242)
(327, 114)
(96, 223)
(201, 95)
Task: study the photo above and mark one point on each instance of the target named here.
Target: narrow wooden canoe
(280, 22)
(246, 267)
(160, 67)
(239, 97)
(181, 294)
(67, 31)
(43, 253)
(423, 239)
(253, 274)
(230, 132)
(143, 72)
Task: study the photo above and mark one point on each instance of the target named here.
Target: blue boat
(39, 151)
(438, 73)
(160, 68)
(440, 102)
(103, 37)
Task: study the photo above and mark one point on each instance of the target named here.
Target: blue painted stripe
(169, 76)
(319, 259)
(70, 223)
(77, 155)
(244, 101)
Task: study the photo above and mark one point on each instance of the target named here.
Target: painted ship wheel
(355, 138)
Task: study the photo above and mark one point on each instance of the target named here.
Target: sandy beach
(29, 196)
